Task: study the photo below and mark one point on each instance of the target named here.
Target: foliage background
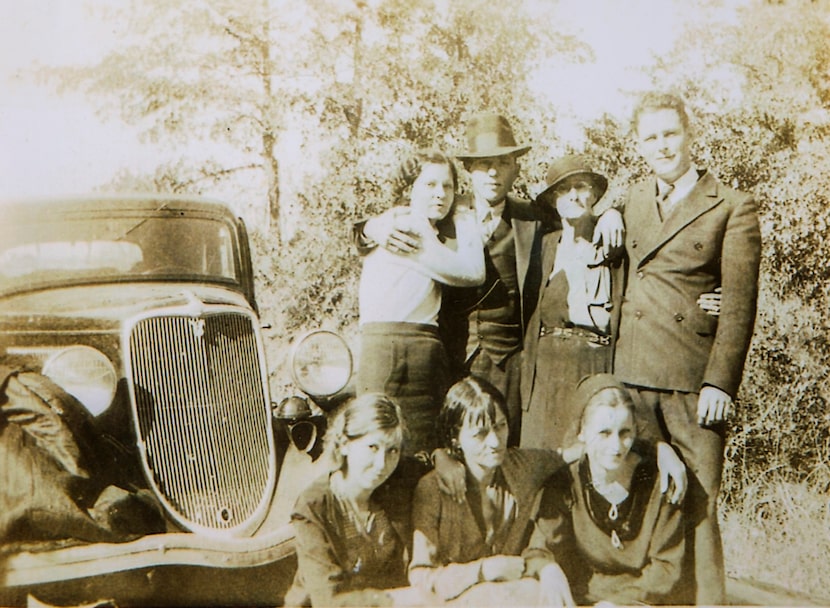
(296, 112)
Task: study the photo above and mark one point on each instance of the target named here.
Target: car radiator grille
(203, 419)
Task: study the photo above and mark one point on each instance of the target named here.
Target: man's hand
(610, 229)
(554, 587)
(672, 473)
(452, 475)
(710, 302)
(390, 230)
(713, 405)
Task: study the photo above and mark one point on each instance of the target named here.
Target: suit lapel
(524, 233)
(551, 243)
(642, 220)
(701, 199)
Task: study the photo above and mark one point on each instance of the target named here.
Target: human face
(370, 459)
(575, 196)
(664, 142)
(493, 177)
(433, 192)
(484, 446)
(608, 433)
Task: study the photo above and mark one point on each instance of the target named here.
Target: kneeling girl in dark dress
(603, 520)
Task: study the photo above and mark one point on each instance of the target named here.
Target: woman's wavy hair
(472, 400)
(358, 417)
(408, 172)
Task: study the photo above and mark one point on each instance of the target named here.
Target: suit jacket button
(698, 246)
(638, 314)
(640, 274)
(634, 244)
(678, 317)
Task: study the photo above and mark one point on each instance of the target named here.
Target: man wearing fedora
(484, 325)
(687, 234)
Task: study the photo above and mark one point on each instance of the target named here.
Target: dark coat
(645, 563)
(526, 221)
(711, 239)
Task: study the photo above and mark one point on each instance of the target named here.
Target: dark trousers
(505, 377)
(703, 578)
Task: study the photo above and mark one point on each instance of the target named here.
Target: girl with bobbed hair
(401, 353)
(352, 524)
(604, 531)
(469, 551)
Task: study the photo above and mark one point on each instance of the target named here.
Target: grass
(778, 533)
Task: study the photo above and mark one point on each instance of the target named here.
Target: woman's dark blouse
(574, 529)
(341, 565)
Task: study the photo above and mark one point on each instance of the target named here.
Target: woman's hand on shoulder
(452, 475)
(573, 452)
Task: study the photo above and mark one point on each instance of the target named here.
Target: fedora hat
(565, 167)
(490, 135)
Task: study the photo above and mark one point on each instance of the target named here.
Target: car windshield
(71, 250)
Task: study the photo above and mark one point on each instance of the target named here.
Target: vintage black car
(137, 316)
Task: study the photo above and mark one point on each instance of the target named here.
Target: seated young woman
(604, 530)
(352, 525)
(460, 544)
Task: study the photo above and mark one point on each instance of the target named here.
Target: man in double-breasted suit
(687, 234)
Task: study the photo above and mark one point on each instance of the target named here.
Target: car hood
(113, 302)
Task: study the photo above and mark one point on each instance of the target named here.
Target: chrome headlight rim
(85, 373)
(334, 363)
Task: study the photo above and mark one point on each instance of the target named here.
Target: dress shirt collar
(489, 216)
(682, 186)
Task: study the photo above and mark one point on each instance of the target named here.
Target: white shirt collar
(682, 185)
(489, 216)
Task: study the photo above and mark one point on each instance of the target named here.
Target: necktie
(663, 202)
(487, 226)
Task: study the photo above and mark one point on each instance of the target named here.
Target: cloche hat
(565, 167)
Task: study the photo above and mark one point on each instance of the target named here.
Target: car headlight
(86, 374)
(321, 363)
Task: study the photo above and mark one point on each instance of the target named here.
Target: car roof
(107, 203)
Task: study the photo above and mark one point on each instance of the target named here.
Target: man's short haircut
(655, 101)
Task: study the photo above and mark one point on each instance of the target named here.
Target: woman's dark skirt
(552, 420)
(407, 362)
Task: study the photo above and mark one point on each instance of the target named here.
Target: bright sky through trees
(56, 144)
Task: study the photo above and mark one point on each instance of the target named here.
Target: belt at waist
(574, 332)
(382, 328)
